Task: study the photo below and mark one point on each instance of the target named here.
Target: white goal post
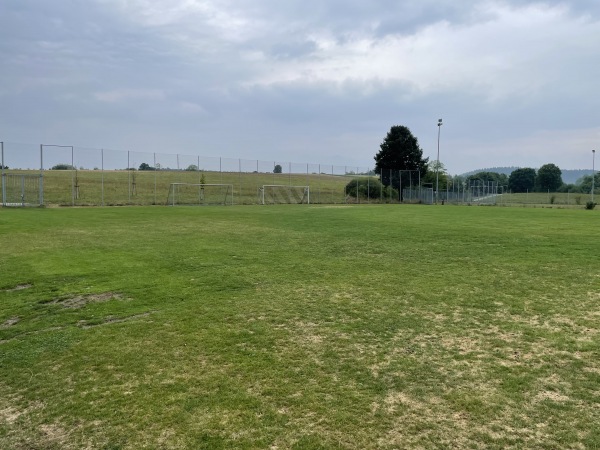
(270, 194)
(200, 194)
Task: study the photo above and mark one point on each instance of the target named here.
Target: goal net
(200, 194)
(21, 190)
(270, 194)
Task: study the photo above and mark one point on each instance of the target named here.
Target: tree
(488, 177)
(277, 168)
(192, 168)
(399, 151)
(522, 180)
(62, 167)
(549, 178)
(146, 166)
(3, 167)
(585, 183)
(369, 188)
(431, 176)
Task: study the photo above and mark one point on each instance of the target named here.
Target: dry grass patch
(19, 287)
(10, 322)
(79, 301)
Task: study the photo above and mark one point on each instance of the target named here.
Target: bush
(590, 205)
(552, 199)
(62, 167)
(369, 188)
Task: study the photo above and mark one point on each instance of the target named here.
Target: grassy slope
(152, 187)
(299, 327)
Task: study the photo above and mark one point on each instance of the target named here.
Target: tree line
(400, 151)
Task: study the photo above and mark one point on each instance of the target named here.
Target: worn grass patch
(299, 327)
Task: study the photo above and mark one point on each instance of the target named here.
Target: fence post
(41, 174)
(155, 176)
(72, 177)
(319, 192)
(400, 186)
(102, 175)
(3, 177)
(128, 179)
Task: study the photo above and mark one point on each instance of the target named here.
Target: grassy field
(542, 198)
(302, 327)
(121, 187)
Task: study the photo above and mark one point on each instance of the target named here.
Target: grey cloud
(91, 73)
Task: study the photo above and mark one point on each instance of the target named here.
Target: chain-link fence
(67, 175)
(76, 176)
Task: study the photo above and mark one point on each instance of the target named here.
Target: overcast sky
(516, 82)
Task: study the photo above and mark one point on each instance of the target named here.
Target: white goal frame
(305, 190)
(227, 194)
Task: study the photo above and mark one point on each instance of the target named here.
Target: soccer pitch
(296, 326)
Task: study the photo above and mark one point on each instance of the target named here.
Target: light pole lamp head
(440, 122)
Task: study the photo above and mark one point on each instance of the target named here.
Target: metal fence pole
(102, 175)
(72, 177)
(319, 190)
(128, 179)
(3, 175)
(307, 177)
(400, 186)
(155, 175)
(41, 174)
(332, 193)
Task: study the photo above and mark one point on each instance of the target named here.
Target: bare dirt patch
(80, 301)
(19, 287)
(10, 322)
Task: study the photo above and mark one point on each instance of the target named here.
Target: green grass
(121, 187)
(543, 198)
(380, 326)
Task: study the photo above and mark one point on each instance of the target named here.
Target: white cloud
(514, 80)
(513, 53)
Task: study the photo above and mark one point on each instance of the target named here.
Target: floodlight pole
(593, 172)
(437, 167)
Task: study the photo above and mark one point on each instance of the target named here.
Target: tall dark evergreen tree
(522, 180)
(400, 151)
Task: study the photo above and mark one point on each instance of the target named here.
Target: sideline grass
(299, 327)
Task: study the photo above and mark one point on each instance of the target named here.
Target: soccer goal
(200, 194)
(270, 194)
(21, 190)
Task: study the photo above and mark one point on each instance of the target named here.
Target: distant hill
(569, 176)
